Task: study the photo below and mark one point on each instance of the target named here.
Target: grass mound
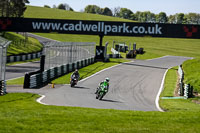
(21, 45)
(191, 70)
(53, 13)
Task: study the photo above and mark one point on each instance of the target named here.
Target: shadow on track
(80, 87)
(107, 100)
(144, 65)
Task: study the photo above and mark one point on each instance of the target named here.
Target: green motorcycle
(102, 90)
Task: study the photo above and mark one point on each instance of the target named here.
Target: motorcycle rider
(105, 82)
(75, 74)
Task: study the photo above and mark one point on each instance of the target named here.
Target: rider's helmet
(76, 71)
(107, 79)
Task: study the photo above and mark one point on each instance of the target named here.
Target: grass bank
(21, 45)
(177, 105)
(191, 70)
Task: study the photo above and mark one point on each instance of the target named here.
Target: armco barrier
(23, 57)
(184, 89)
(39, 79)
(181, 76)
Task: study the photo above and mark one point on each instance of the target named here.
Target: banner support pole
(101, 40)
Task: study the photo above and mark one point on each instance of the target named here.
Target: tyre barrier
(38, 79)
(2, 87)
(115, 54)
(23, 57)
(184, 89)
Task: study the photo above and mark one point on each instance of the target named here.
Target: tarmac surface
(19, 70)
(133, 86)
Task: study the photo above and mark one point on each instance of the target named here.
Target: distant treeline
(12, 8)
(146, 16)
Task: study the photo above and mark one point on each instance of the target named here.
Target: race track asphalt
(19, 70)
(133, 86)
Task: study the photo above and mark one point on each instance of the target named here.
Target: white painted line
(159, 92)
(102, 71)
(39, 99)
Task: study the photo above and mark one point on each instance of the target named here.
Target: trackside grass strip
(20, 113)
(176, 105)
(20, 46)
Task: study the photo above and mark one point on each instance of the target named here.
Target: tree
(65, 6)
(54, 6)
(172, 19)
(116, 11)
(46, 6)
(106, 11)
(180, 18)
(162, 17)
(92, 9)
(61, 6)
(146, 16)
(12, 8)
(193, 18)
(137, 16)
(125, 13)
(133, 17)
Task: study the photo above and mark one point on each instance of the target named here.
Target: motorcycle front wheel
(101, 95)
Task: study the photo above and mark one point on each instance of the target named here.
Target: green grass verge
(170, 83)
(17, 81)
(19, 47)
(20, 113)
(173, 105)
(191, 70)
(52, 13)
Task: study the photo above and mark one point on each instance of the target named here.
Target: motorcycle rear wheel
(101, 95)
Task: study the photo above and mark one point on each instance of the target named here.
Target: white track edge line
(159, 92)
(40, 98)
(102, 71)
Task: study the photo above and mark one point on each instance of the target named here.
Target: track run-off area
(134, 85)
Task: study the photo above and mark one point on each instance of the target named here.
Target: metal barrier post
(3, 60)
